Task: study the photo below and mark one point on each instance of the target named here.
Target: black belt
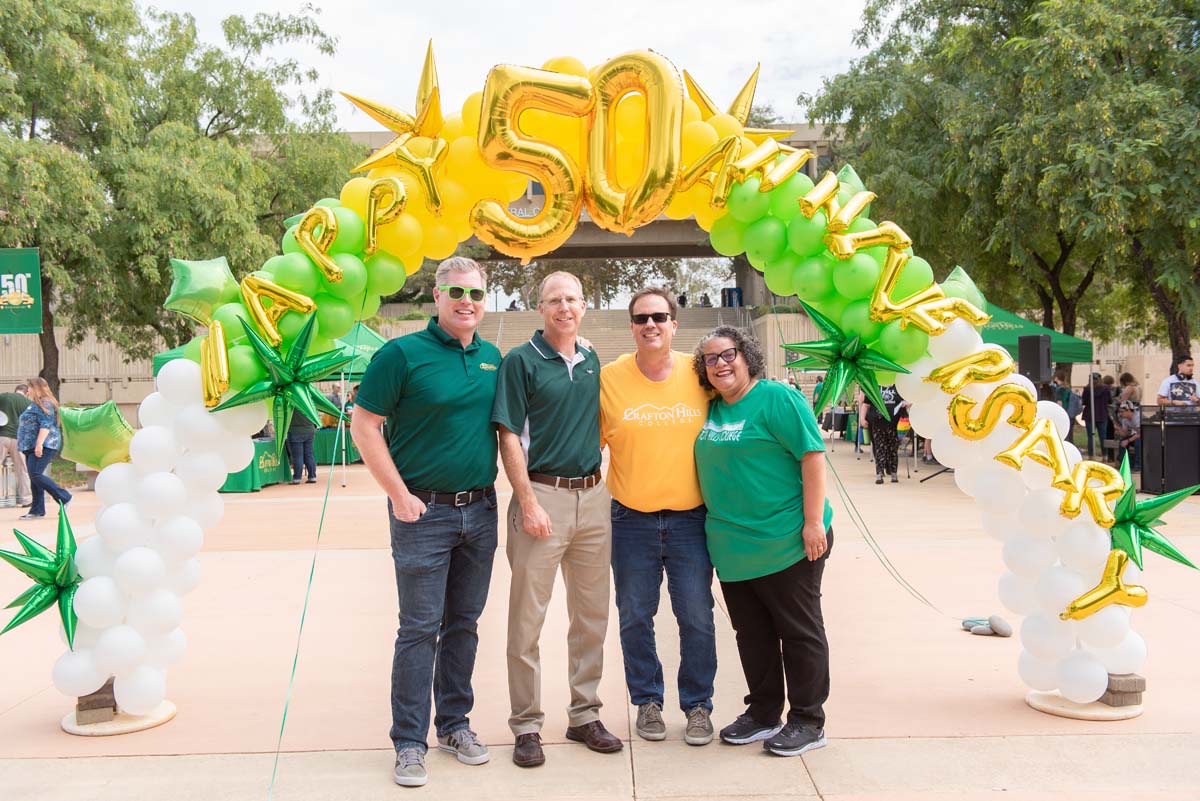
(464, 498)
(579, 483)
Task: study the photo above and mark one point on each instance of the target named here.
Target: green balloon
(289, 244)
(191, 351)
(903, 346)
(319, 344)
(856, 277)
(746, 203)
(385, 274)
(914, 276)
(766, 239)
(832, 307)
(879, 254)
(970, 294)
(244, 367)
(335, 316)
(885, 377)
(354, 278)
(96, 436)
(229, 316)
(779, 279)
(856, 319)
(351, 233)
(785, 198)
(331, 202)
(812, 279)
(294, 271)
(369, 308)
(807, 236)
(727, 235)
(756, 262)
(862, 223)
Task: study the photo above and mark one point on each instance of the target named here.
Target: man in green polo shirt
(435, 390)
(547, 407)
(11, 406)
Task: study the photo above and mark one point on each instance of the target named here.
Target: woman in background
(40, 439)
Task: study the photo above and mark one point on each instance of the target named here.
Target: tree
(697, 277)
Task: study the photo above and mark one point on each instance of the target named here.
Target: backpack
(1074, 404)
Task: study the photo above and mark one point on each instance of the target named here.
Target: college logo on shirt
(650, 415)
(730, 432)
(486, 366)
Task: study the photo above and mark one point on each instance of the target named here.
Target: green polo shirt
(555, 407)
(437, 397)
(12, 404)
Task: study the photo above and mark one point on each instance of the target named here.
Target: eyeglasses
(642, 319)
(727, 355)
(566, 300)
(456, 292)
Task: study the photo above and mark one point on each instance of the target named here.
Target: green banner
(20, 291)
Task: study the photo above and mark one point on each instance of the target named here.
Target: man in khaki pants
(11, 406)
(547, 408)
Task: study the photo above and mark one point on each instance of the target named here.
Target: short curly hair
(746, 344)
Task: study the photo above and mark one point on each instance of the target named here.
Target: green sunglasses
(476, 294)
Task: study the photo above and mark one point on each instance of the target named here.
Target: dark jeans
(1101, 429)
(40, 483)
(443, 568)
(300, 454)
(780, 614)
(644, 545)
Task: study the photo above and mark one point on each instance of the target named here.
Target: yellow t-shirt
(650, 428)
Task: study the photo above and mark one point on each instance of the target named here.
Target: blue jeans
(300, 454)
(644, 544)
(443, 568)
(40, 483)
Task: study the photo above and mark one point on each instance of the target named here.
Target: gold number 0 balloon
(508, 92)
(623, 209)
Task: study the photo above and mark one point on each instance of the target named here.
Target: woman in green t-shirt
(762, 474)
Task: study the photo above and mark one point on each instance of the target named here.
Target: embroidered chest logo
(486, 366)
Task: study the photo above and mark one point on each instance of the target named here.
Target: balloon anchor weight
(97, 715)
(1121, 701)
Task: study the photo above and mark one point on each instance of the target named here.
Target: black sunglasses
(642, 319)
(729, 354)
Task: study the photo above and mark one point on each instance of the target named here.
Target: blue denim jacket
(33, 420)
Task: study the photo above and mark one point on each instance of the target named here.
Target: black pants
(300, 454)
(781, 635)
(883, 443)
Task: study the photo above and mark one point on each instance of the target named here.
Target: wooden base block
(121, 723)
(1052, 703)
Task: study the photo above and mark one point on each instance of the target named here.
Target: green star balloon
(289, 380)
(54, 575)
(845, 359)
(199, 287)
(1134, 529)
(96, 436)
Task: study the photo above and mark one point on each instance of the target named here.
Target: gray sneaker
(465, 745)
(699, 729)
(410, 768)
(650, 724)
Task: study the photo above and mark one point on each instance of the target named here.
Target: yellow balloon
(471, 112)
(691, 111)
(631, 115)
(706, 215)
(698, 139)
(464, 163)
(566, 64)
(725, 125)
(412, 261)
(402, 235)
(680, 207)
(456, 202)
(412, 185)
(354, 195)
(440, 241)
(453, 128)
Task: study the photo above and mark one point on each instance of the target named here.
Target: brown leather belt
(580, 483)
(463, 498)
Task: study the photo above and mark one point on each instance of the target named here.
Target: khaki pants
(581, 542)
(8, 447)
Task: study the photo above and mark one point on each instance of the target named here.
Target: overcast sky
(381, 44)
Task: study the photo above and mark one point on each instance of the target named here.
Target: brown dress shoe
(528, 753)
(595, 737)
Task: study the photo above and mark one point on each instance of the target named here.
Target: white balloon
(248, 419)
(139, 570)
(1081, 677)
(930, 419)
(1056, 414)
(75, 674)
(913, 386)
(951, 451)
(1017, 378)
(964, 479)
(999, 489)
(122, 527)
(958, 340)
(1074, 456)
(98, 603)
(167, 649)
(1106, 628)
(1017, 595)
(155, 410)
(1056, 587)
(1127, 657)
(1083, 546)
(85, 637)
(161, 495)
(179, 382)
(1037, 673)
(116, 483)
(155, 613)
(236, 452)
(119, 649)
(206, 509)
(1039, 513)
(140, 690)
(1028, 556)
(93, 559)
(1132, 572)
(179, 538)
(1000, 525)
(153, 449)
(1047, 638)
(196, 428)
(201, 471)
(183, 579)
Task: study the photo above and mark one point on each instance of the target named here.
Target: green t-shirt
(748, 459)
(555, 407)
(437, 398)
(12, 404)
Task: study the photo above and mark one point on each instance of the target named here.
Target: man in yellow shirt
(651, 410)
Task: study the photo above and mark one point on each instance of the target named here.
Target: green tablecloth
(265, 469)
(323, 447)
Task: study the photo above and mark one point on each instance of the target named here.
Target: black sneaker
(794, 739)
(747, 730)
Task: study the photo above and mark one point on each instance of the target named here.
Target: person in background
(348, 408)
(1096, 400)
(1061, 389)
(884, 444)
(1131, 390)
(1129, 433)
(11, 406)
(39, 437)
(1179, 388)
(300, 436)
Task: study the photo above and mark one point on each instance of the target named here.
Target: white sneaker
(466, 746)
(410, 768)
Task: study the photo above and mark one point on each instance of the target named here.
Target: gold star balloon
(739, 109)
(1135, 521)
(54, 575)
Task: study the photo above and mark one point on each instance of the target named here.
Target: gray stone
(1126, 683)
(1111, 698)
(1000, 626)
(984, 630)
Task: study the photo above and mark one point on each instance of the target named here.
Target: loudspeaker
(1033, 357)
